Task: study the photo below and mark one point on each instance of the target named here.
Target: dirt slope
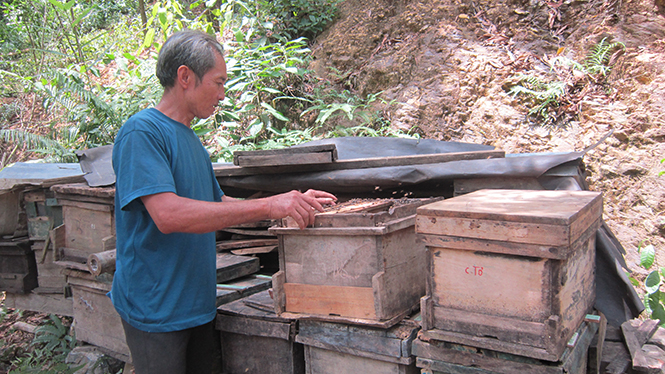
(447, 64)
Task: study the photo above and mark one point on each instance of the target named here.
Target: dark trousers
(187, 351)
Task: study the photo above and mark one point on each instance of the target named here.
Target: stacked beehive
(350, 281)
(509, 271)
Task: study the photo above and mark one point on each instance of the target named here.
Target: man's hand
(300, 206)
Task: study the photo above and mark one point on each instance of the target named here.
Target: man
(168, 205)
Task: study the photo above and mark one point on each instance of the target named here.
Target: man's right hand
(300, 206)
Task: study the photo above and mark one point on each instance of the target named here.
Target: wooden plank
(254, 250)
(491, 284)
(546, 207)
(41, 303)
(323, 361)
(461, 358)
(82, 189)
(358, 340)
(356, 302)
(241, 287)
(85, 229)
(299, 150)
(237, 244)
(285, 159)
(616, 358)
(222, 170)
(231, 267)
(492, 344)
(247, 232)
(498, 230)
(97, 322)
(257, 354)
(87, 205)
(636, 333)
(335, 260)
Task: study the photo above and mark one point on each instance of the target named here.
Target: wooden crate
(510, 270)
(89, 223)
(95, 319)
(43, 212)
(332, 348)
(360, 267)
(49, 274)
(18, 269)
(9, 212)
(437, 357)
(255, 340)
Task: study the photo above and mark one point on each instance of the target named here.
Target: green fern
(598, 61)
(51, 148)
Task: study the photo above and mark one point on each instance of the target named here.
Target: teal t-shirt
(162, 282)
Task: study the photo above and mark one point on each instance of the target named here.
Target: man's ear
(186, 76)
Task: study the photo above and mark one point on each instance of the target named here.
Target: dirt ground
(448, 64)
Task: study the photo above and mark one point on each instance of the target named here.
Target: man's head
(194, 49)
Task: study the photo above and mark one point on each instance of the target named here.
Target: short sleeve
(142, 167)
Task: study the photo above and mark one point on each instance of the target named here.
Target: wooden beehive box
(96, 320)
(255, 340)
(437, 357)
(18, 269)
(362, 267)
(510, 270)
(332, 348)
(88, 222)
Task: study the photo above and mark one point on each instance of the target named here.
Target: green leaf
(255, 129)
(275, 113)
(652, 282)
(647, 256)
(149, 38)
(81, 16)
(57, 4)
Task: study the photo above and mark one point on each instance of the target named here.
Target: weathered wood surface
(82, 189)
(361, 273)
(238, 244)
(510, 268)
(101, 262)
(390, 345)
(297, 156)
(556, 218)
(231, 267)
(354, 302)
(636, 334)
(254, 315)
(256, 340)
(18, 267)
(97, 322)
(445, 357)
(86, 226)
(364, 163)
(48, 273)
(242, 287)
(509, 303)
(41, 303)
(254, 250)
(324, 361)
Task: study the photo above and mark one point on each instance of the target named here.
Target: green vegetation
(555, 99)
(82, 79)
(654, 299)
(47, 352)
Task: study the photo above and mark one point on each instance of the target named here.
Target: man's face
(207, 92)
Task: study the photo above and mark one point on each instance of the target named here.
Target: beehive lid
(549, 218)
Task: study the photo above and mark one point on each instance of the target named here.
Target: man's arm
(173, 213)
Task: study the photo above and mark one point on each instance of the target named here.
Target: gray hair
(194, 49)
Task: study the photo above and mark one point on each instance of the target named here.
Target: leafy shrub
(302, 18)
(654, 299)
(554, 100)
